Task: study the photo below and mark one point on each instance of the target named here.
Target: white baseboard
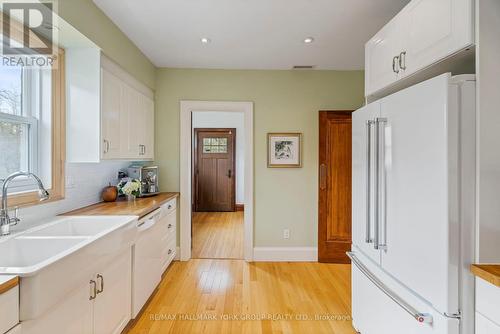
(177, 253)
(285, 254)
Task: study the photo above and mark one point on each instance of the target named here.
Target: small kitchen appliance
(148, 176)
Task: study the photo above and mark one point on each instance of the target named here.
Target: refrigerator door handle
(418, 316)
(380, 205)
(369, 124)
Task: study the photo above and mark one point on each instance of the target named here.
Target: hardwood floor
(233, 296)
(217, 235)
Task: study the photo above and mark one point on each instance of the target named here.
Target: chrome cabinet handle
(419, 316)
(143, 149)
(380, 184)
(402, 60)
(93, 289)
(395, 61)
(140, 149)
(101, 284)
(106, 146)
(369, 124)
(169, 206)
(169, 225)
(169, 251)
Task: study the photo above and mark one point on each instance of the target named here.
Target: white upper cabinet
(110, 114)
(381, 62)
(422, 34)
(127, 116)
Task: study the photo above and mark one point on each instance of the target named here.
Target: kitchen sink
(76, 226)
(26, 252)
(58, 256)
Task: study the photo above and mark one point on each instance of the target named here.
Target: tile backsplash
(84, 182)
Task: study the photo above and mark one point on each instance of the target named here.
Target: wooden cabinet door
(379, 56)
(334, 230)
(113, 306)
(214, 169)
(435, 29)
(112, 116)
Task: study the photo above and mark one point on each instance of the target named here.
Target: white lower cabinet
(100, 305)
(9, 309)
(487, 307)
(168, 222)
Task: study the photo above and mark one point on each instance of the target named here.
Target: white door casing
(186, 110)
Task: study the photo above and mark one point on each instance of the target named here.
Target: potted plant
(130, 188)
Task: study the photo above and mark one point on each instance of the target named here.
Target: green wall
(85, 16)
(284, 101)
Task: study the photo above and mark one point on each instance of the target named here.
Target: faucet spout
(5, 220)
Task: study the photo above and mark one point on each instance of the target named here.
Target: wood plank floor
(217, 235)
(233, 296)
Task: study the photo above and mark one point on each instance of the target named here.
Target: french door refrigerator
(413, 200)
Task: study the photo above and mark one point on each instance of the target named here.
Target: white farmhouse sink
(54, 258)
(76, 226)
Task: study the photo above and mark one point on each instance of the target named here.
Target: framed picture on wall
(284, 150)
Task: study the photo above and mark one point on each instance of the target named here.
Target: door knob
(229, 173)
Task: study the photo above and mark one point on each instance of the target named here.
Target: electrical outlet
(286, 234)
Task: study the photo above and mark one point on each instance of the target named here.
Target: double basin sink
(51, 258)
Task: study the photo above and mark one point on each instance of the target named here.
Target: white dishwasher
(146, 265)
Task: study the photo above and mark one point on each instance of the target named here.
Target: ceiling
(252, 34)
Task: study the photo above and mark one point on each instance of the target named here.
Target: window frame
(58, 131)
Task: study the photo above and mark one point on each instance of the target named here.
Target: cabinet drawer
(488, 300)
(9, 309)
(169, 207)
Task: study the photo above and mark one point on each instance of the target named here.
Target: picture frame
(284, 150)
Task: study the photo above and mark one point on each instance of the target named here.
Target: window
(32, 128)
(19, 120)
(214, 145)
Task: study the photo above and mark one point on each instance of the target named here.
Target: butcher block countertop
(140, 207)
(8, 282)
(488, 272)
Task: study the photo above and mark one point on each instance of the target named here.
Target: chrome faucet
(5, 221)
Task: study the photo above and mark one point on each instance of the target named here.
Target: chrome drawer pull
(101, 279)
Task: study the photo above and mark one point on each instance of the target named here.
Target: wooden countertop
(488, 272)
(140, 207)
(7, 282)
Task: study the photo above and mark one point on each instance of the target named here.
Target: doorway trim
(186, 110)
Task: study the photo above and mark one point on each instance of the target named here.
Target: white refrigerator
(413, 202)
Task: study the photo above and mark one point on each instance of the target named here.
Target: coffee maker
(148, 176)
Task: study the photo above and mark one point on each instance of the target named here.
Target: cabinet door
(133, 129)
(72, 315)
(112, 117)
(149, 127)
(435, 29)
(113, 306)
(363, 177)
(379, 55)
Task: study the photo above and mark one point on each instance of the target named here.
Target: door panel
(362, 184)
(214, 167)
(113, 306)
(434, 30)
(334, 228)
(380, 52)
(113, 118)
(418, 224)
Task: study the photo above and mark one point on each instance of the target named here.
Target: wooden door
(334, 229)
(214, 169)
